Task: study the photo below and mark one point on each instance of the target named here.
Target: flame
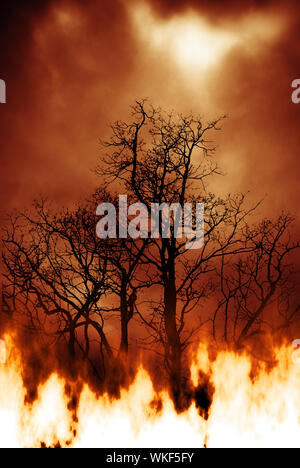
(246, 412)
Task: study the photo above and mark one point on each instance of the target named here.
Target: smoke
(71, 67)
(65, 66)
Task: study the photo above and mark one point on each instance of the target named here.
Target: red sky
(71, 67)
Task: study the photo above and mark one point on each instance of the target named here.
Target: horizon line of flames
(246, 411)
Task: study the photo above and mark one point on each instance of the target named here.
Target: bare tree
(56, 273)
(64, 282)
(124, 257)
(67, 283)
(253, 286)
(166, 158)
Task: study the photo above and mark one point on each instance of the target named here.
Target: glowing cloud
(194, 43)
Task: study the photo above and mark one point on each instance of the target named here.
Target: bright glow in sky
(197, 45)
(192, 42)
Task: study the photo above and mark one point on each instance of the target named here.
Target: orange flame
(246, 412)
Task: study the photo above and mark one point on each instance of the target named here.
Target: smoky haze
(71, 69)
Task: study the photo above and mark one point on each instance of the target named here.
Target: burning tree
(168, 159)
(257, 283)
(57, 274)
(69, 284)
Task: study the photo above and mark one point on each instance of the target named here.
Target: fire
(260, 411)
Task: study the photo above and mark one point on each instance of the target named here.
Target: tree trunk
(71, 343)
(120, 369)
(173, 338)
(123, 350)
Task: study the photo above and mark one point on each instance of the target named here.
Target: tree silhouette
(64, 282)
(58, 275)
(165, 158)
(256, 282)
